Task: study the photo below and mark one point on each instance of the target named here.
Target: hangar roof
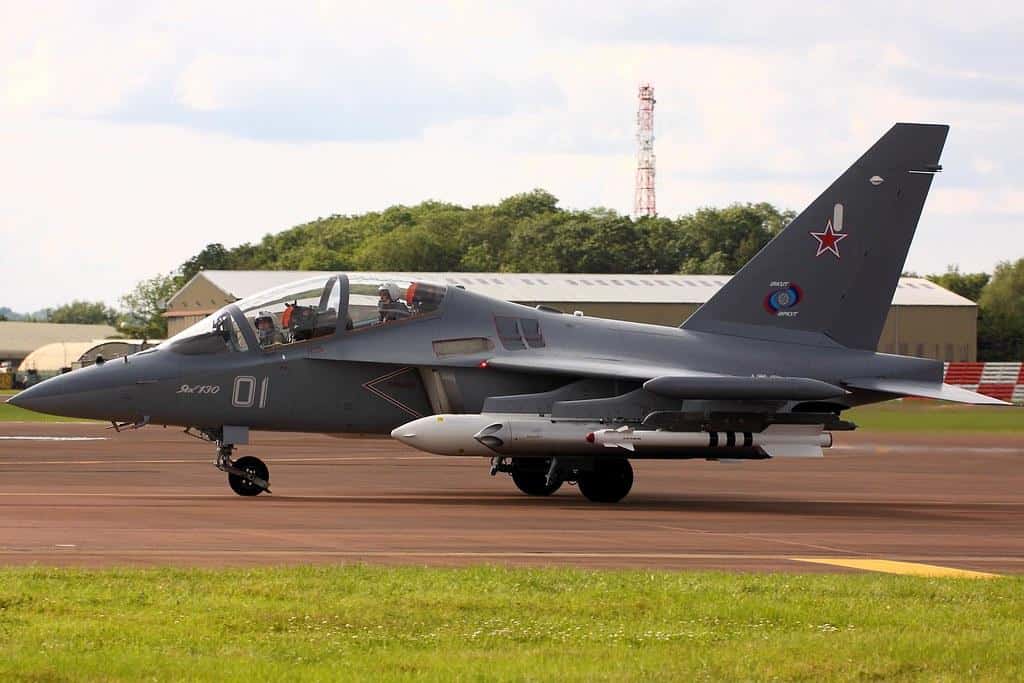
(52, 357)
(542, 287)
(18, 338)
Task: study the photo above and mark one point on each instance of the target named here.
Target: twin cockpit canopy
(308, 309)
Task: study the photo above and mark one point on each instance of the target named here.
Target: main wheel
(253, 466)
(531, 476)
(610, 481)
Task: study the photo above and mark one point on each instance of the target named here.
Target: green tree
(524, 232)
(967, 285)
(1001, 314)
(144, 307)
(528, 204)
(720, 241)
(213, 257)
(84, 312)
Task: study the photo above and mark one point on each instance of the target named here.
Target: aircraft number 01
(244, 393)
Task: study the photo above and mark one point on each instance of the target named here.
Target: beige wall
(193, 303)
(198, 295)
(179, 323)
(939, 332)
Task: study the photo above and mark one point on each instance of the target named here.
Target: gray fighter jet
(764, 369)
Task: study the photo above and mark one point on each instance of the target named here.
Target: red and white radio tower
(643, 198)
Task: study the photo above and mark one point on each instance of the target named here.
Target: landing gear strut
(247, 476)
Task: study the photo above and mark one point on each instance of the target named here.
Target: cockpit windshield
(319, 307)
(217, 333)
(373, 301)
(309, 309)
(294, 312)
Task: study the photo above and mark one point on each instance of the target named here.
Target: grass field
(931, 416)
(489, 623)
(15, 414)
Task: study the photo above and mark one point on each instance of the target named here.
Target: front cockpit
(309, 309)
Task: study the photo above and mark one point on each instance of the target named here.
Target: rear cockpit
(309, 309)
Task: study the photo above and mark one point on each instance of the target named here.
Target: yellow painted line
(897, 567)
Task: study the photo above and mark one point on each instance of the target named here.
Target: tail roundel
(828, 278)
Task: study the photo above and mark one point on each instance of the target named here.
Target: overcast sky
(133, 134)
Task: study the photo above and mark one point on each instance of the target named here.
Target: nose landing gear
(247, 476)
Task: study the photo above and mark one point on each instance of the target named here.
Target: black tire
(253, 466)
(530, 476)
(610, 481)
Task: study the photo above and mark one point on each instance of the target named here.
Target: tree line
(529, 232)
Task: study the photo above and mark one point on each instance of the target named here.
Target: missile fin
(792, 450)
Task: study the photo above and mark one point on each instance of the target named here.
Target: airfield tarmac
(82, 495)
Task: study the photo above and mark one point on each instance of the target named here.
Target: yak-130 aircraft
(763, 370)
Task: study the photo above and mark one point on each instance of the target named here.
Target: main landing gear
(601, 480)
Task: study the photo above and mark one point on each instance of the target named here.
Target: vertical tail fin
(831, 273)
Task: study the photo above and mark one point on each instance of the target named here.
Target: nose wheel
(247, 476)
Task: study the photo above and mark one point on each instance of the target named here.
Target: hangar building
(18, 338)
(925, 320)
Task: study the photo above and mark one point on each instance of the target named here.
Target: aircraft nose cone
(42, 397)
(79, 393)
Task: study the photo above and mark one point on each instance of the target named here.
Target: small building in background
(925, 319)
(18, 338)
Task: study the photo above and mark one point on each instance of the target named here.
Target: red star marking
(828, 240)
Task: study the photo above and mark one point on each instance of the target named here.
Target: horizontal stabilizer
(909, 387)
(744, 388)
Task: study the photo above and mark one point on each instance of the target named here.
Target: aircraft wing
(679, 383)
(909, 387)
(585, 366)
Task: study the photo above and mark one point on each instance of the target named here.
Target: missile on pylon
(527, 435)
(792, 441)
(446, 434)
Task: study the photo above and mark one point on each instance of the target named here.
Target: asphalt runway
(82, 495)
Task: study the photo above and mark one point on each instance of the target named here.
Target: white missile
(793, 441)
(446, 434)
(524, 435)
(490, 433)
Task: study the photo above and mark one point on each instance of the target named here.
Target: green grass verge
(489, 623)
(928, 416)
(9, 413)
